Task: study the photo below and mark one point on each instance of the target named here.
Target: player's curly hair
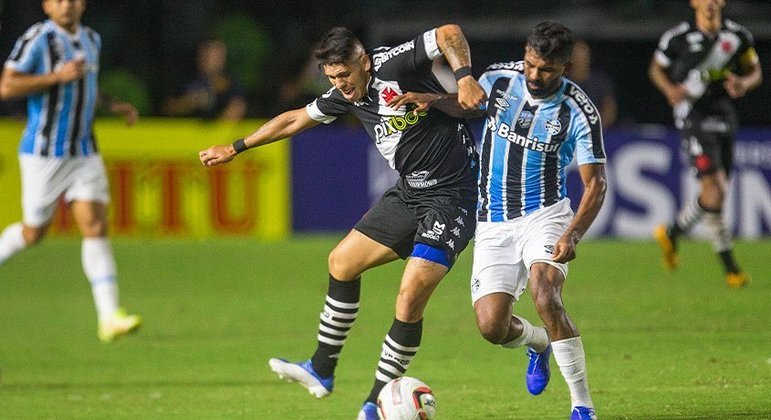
(551, 41)
(338, 46)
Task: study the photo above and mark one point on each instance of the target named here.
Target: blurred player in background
(427, 217)
(700, 66)
(55, 65)
(213, 94)
(594, 82)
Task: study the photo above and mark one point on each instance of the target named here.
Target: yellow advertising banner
(159, 188)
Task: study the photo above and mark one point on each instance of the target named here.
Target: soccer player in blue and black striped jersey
(536, 122)
(55, 66)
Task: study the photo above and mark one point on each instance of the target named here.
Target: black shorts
(401, 219)
(708, 140)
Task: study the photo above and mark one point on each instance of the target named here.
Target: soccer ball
(406, 398)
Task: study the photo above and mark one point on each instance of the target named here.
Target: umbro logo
(502, 104)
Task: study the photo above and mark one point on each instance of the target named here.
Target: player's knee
(33, 235)
(340, 266)
(492, 330)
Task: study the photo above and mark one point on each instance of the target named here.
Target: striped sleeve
(27, 54)
(586, 126)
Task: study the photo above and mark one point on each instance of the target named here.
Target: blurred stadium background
(324, 180)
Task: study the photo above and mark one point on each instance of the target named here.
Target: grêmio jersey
(701, 62)
(59, 119)
(528, 143)
(430, 150)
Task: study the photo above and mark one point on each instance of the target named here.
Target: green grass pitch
(659, 345)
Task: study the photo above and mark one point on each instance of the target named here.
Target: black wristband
(239, 146)
(462, 72)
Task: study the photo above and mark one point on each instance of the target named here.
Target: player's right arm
(279, 127)
(16, 84)
(674, 92)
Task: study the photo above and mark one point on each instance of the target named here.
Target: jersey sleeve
(667, 51)
(27, 53)
(747, 54)
(326, 108)
(590, 147)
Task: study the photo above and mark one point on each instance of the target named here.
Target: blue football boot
(538, 372)
(583, 413)
(304, 374)
(368, 412)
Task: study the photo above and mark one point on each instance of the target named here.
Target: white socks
(569, 355)
(534, 337)
(11, 242)
(99, 267)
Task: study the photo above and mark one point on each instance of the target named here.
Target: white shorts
(504, 251)
(45, 180)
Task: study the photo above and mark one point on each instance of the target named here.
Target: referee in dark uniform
(427, 217)
(700, 66)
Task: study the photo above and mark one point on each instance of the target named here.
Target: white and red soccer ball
(406, 398)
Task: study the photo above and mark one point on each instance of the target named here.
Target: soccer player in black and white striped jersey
(427, 217)
(701, 66)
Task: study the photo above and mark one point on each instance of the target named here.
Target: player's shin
(399, 347)
(570, 357)
(340, 310)
(99, 267)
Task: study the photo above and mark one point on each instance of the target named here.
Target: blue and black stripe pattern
(59, 119)
(527, 143)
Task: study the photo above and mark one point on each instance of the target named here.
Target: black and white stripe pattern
(394, 359)
(336, 321)
(689, 215)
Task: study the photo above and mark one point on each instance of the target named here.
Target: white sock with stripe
(99, 267)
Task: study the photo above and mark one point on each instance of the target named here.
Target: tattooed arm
(455, 49)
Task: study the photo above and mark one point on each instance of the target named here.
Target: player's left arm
(737, 86)
(125, 109)
(595, 185)
(456, 51)
(445, 102)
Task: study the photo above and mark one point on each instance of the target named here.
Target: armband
(462, 72)
(239, 146)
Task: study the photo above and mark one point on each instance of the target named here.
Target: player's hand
(128, 111)
(676, 94)
(734, 86)
(565, 249)
(71, 70)
(422, 101)
(216, 155)
(470, 93)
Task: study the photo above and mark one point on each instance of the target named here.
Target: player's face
(543, 76)
(350, 78)
(65, 13)
(707, 8)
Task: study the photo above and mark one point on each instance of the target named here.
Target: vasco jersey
(527, 143)
(59, 119)
(430, 150)
(702, 61)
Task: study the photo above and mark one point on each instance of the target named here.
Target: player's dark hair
(551, 41)
(337, 46)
